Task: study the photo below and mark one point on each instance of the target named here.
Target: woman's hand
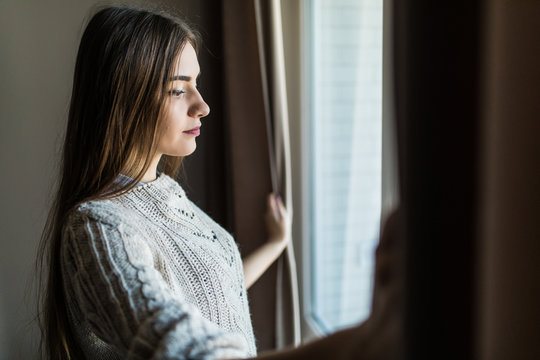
(278, 221)
(278, 224)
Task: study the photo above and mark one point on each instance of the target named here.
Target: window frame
(299, 70)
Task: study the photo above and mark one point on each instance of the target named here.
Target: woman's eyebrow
(183, 77)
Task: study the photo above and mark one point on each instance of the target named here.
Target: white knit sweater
(148, 275)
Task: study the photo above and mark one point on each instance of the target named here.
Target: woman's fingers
(282, 209)
(275, 206)
(278, 221)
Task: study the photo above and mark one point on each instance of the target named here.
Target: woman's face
(184, 108)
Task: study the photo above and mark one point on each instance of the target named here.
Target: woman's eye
(176, 92)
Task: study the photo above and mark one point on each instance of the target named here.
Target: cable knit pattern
(148, 275)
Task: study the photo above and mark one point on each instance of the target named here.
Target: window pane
(346, 108)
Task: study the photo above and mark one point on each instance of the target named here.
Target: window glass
(345, 40)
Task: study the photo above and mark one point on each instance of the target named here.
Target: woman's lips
(195, 131)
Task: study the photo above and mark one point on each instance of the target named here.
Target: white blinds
(346, 133)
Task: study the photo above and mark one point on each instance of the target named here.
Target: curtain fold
(509, 251)
(287, 297)
(257, 126)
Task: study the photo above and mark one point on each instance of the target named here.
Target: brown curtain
(258, 162)
(437, 75)
(277, 121)
(467, 83)
(509, 291)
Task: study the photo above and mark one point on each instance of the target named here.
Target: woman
(135, 269)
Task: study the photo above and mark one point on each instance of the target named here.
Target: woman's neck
(151, 173)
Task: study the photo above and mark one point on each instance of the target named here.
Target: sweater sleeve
(127, 303)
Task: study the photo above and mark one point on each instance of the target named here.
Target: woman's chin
(184, 150)
(188, 151)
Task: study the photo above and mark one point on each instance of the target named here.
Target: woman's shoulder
(131, 208)
(105, 211)
(99, 220)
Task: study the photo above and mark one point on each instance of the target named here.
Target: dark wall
(204, 175)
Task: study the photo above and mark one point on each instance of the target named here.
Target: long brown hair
(125, 59)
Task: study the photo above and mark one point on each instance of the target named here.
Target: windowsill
(311, 330)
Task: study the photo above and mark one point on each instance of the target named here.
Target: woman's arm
(278, 223)
(345, 344)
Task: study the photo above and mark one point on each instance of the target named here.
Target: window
(344, 80)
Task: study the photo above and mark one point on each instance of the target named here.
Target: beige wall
(38, 44)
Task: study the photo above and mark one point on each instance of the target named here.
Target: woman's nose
(199, 109)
